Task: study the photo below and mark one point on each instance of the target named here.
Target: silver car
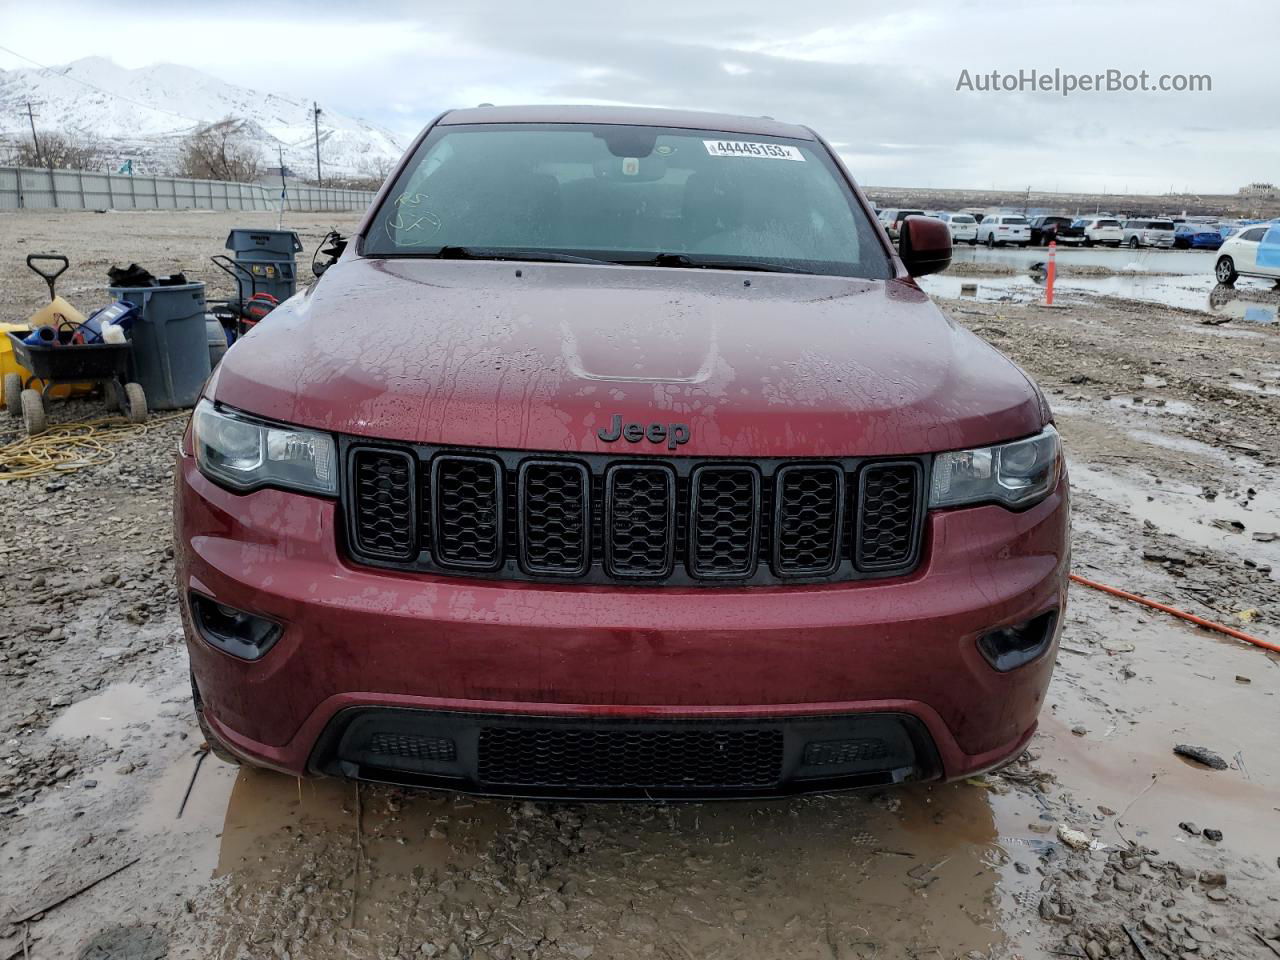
(1148, 233)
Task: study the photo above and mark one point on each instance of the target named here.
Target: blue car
(1197, 236)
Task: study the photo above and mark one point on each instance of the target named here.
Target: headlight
(243, 453)
(1016, 474)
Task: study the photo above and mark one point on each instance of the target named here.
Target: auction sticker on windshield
(741, 148)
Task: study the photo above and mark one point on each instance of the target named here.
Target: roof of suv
(640, 116)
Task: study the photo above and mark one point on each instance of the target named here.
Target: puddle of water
(1187, 292)
(1178, 408)
(1264, 388)
(1178, 508)
(1183, 684)
(1194, 262)
(1170, 441)
(921, 866)
(109, 715)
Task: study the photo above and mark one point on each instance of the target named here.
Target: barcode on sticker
(742, 148)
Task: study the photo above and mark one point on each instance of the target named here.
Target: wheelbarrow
(57, 363)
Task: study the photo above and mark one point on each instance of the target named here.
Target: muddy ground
(1096, 843)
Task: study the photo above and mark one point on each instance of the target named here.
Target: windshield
(627, 194)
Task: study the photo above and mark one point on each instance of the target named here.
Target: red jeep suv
(618, 454)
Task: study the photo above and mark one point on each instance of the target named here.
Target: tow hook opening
(1010, 647)
(237, 632)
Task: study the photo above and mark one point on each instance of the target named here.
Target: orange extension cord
(1191, 617)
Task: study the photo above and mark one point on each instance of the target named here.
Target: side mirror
(924, 245)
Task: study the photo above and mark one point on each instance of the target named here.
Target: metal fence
(36, 188)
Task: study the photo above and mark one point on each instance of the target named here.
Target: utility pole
(32, 117)
(315, 112)
(280, 218)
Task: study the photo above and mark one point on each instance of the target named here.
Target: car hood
(543, 355)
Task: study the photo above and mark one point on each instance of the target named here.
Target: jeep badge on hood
(674, 433)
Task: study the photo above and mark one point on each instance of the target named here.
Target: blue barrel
(267, 261)
(169, 342)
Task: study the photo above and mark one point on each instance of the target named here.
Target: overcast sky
(877, 79)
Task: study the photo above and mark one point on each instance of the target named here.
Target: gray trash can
(217, 340)
(267, 262)
(170, 343)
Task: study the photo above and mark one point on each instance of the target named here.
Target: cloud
(880, 82)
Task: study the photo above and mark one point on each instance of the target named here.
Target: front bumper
(431, 649)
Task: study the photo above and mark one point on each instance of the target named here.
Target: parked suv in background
(1101, 231)
(1252, 252)
(893, 219)
(998, 229)
(1148, 233)
(619, 454)
(963, 226)
(1046, 230)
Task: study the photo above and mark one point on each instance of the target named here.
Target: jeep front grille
(598, 518)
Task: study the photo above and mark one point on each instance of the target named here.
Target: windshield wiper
(449, 252)
(713, 263)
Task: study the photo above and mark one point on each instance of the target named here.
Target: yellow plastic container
(51, 314)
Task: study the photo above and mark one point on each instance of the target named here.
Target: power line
(91, 86)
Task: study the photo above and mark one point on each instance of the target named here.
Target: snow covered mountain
(143, 114)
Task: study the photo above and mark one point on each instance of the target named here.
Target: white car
(997, 229)
(892, 218)
(1148, 233)
(1102, 231)
(963, 227)
(1252, 252)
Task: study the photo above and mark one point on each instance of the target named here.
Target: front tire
(1134, 244)
(991, 241)
(1087, 242)
(13, 394)
(33, 416)
(136, 403)
(1225, 271)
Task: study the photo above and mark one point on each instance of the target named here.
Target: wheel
(13, 394)
(1133, 243)
(136, 401)
(33, 412)
(1087, 242)
(111, 396)
(1225, 271)
(973, 242)
(991, 241)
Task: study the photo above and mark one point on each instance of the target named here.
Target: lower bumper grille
(551, 757)
(537, 756)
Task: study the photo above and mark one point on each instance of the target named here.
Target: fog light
(1011, 647)
(233, 631)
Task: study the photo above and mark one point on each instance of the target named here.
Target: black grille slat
(640, 521)
(598, 518)
(888, 512)
(383, 521)
(725, 525)
(639, 758)
(408, 746)
(555, 516)
(466, 495)
(808, 506)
